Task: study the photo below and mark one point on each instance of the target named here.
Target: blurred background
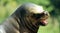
(7, 7)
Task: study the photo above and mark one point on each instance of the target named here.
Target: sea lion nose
(46, 13)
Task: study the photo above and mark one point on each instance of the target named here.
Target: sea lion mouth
(43, 22)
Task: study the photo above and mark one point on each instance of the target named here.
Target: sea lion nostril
(46, 13)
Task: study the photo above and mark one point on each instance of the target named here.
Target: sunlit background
(7, 7)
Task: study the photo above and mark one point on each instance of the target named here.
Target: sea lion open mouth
(43, 22)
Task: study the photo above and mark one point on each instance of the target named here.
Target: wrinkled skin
(26, 19)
